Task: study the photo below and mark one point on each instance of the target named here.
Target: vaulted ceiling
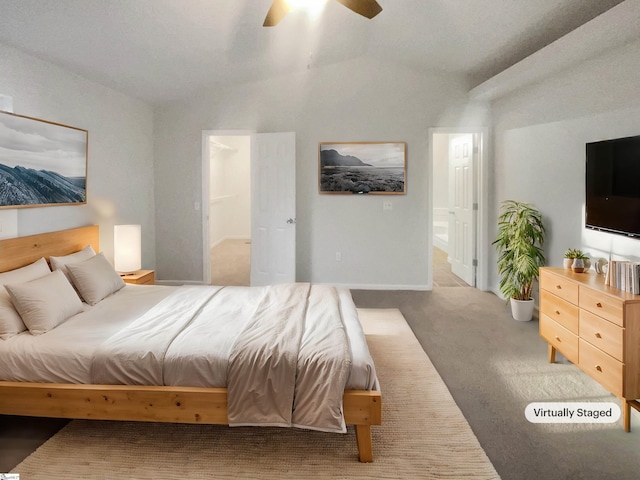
(159, 50)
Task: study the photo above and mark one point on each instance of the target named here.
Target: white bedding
(197, 356)
(63, 355)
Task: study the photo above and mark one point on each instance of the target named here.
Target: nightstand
(141, 277)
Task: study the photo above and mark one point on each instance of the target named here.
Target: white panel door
(273, 208)
(462, 216)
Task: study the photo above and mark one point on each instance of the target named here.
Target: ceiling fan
(279, 8)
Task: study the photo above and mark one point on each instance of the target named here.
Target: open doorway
(229, 209)
(457, 160)
(248, 192)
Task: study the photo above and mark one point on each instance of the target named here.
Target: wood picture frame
(378, 168)
(42, 163)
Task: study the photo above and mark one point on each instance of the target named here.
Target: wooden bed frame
(362, 408)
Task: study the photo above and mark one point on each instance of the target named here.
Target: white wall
(120, 163)
(217, 194)
(540, 136)
(359, 100)
(230, 189)
(440, 188)
(441, 171)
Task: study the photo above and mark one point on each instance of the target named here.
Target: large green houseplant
(521, 235)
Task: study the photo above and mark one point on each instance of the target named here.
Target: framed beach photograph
(41, 163)
(362, 168)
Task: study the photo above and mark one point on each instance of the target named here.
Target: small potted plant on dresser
(569, 256)
(521, 235)
(573, 254)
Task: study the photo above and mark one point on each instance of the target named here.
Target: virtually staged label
(572, 412)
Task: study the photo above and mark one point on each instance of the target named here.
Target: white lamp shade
(127, 245)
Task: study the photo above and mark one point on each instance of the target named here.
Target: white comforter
(199, 336)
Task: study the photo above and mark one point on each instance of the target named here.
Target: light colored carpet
(423, 435)
(231, 263)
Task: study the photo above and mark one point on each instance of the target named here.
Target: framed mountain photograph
(362, 168)
(41, 163)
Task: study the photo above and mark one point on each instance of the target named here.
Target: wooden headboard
(21, 251)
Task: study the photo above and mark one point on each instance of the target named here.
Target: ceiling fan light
(280, 8)
(306, 4)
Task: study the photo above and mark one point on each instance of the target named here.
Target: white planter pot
(578, 265)
(522, 310)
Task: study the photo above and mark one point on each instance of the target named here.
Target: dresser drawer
(563, 312)
(602, 334)
(603, 368)
(559, 337)
(562, 287)
(602, 305)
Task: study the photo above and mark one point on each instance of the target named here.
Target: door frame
(206, 159)
(482, 189)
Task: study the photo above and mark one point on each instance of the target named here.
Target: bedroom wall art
(362, 168)
(41, 163)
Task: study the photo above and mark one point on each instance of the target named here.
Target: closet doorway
(249, 196)
(229, 207)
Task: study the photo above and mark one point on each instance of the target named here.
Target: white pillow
(46, 302)
(10, 322)
(95, 278)
(60, 263)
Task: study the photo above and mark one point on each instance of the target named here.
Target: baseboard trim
(231, 237)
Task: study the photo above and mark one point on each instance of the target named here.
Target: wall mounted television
(613, 186)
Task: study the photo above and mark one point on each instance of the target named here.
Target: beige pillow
(46, 302)
(60, 263)
(10, 322)
(95, 278)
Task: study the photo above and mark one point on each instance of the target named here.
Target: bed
(69, 390)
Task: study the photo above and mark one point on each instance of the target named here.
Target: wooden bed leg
(365, 449)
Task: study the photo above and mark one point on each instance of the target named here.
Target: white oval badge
(572, 412)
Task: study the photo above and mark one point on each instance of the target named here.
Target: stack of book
(624, 275)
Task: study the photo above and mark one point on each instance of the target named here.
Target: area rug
(423, 435)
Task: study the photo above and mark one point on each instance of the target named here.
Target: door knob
(291, 221)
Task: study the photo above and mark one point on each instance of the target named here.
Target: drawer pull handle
(598, 335)
(558, 338)
(599, 305)
(557, 312)
(559, 287)
(598, 368)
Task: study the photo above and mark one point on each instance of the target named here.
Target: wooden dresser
(597, 327)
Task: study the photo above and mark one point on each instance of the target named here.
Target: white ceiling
(159, 50)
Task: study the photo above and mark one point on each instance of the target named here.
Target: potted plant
(575, 254)
(519, 243)
(569, 256)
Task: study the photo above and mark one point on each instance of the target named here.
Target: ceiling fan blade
(366, 8)
(278, 10)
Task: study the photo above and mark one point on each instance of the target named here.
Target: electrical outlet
(338, 256)
(387, 206)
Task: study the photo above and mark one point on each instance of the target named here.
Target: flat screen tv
(613, 186)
